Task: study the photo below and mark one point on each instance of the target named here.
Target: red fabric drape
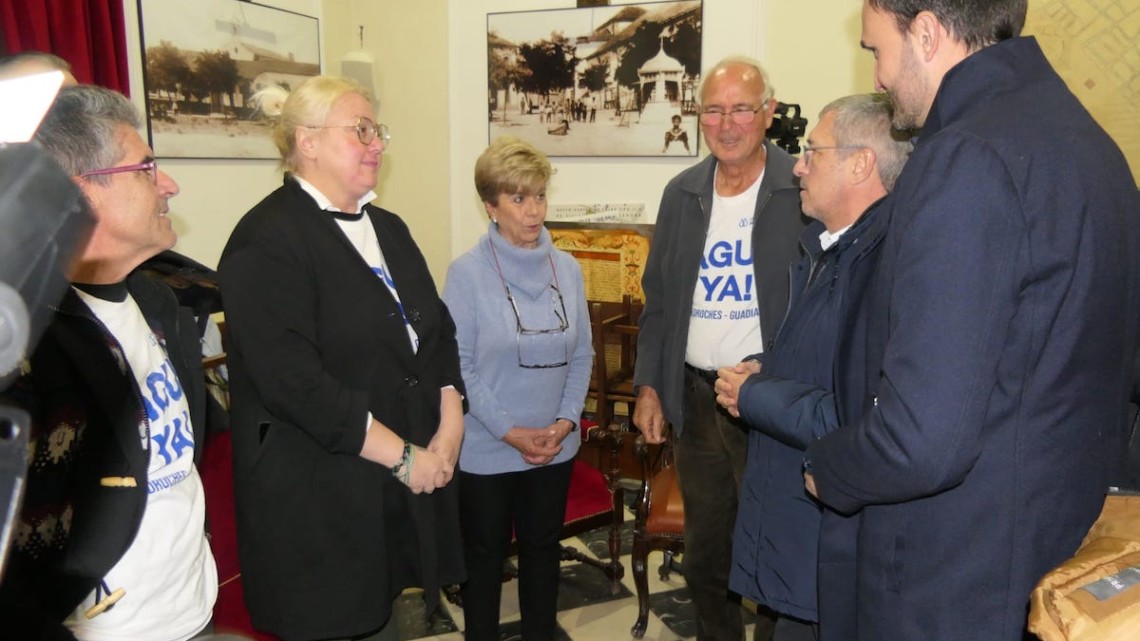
(89, 34)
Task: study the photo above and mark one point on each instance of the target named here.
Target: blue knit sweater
(502, 394)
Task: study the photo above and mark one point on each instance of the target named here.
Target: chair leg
(615, 569)
(669, 565)
(638, 559)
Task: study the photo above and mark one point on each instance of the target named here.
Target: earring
(495, 220)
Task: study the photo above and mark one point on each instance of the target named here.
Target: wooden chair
(659, 523)
(595, 499)
(614, 332)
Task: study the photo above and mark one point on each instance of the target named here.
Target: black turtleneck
(112, 293)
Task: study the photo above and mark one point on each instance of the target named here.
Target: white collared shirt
(827, 239)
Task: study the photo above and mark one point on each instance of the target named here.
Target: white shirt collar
(827, 239)
(324, 203)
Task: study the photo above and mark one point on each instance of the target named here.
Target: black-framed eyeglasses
(366, 131)
(522, 333)
(149, 166)
(809, 150)
(534, 337)
(738, 116)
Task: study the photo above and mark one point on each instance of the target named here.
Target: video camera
(44, 222)
(786, 130)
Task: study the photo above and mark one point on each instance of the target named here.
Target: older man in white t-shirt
(716, 289)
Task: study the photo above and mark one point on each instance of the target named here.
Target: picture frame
(597, 81)
(203, 60)
(612, 256)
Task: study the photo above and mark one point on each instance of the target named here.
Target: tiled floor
(586, 609)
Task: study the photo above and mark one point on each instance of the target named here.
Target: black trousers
(789, 629)
(534, 503)
(710, 455)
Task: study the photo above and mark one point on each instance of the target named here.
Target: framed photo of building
(597, 81)
(201, 63)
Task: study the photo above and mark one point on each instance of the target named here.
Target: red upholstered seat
(589, 495)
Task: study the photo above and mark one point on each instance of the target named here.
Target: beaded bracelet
(402, 470)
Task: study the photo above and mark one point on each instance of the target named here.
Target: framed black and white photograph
(597, 81)
(203, 60)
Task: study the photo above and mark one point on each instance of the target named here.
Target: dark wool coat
(777, 543)
(85, 410)
(327, 539)
(1001, 332)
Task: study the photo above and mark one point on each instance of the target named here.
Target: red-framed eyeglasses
(150, 166)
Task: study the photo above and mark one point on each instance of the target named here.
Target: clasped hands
(727, 386)
(728, 382)
(649, 417)
(433, 467)
(539, 445)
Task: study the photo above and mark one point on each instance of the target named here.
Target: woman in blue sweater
(525, 353)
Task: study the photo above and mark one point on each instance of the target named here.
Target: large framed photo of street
(597, 81)
(203, 60)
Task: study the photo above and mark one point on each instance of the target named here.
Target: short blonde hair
(306, 106)
(509, 166)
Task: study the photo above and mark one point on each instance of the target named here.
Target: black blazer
(327, 539)
(75, 528)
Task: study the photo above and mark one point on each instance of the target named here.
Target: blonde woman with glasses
(344, 371)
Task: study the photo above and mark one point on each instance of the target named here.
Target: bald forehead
(739, 74)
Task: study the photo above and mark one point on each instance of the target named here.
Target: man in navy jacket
(849, 163)
(1000, 333)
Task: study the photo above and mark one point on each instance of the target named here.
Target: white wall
(810, 49)
(431, 79)
(214, 193)
(408, 40)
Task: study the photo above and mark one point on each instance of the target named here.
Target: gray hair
(769, 90)
(79, 129)
(864, 120)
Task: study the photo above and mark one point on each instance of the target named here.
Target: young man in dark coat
(114, 510)
(1001, 327)
(849, 163)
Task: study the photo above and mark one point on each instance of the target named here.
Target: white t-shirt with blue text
(168, 573)
(724, 325)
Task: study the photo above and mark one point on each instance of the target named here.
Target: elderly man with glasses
(110, 539)
(716, 288)
(850, 162)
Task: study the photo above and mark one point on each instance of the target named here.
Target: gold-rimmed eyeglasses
(366, 131)
(149, 166)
